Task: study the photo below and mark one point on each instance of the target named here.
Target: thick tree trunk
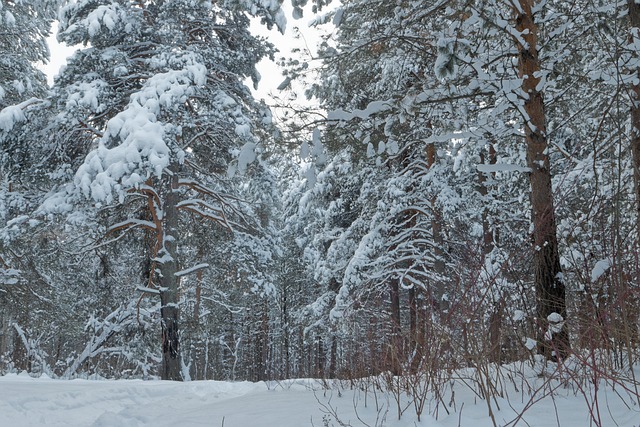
(550, 290)
(167, 264)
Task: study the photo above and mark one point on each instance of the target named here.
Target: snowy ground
(26, 401)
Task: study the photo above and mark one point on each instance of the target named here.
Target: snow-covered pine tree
(601, 184)
(382, 236)
(548, 279)
(555, 39)
(24, 26)
(445, 77)
(157, 105)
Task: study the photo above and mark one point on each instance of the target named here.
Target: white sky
(271, 75)
(59, 55)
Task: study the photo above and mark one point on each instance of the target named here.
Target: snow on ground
(26, 401)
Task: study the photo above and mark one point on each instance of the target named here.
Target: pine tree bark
(167, 264)
(553, 340)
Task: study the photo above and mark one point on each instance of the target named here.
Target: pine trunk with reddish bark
(553, 339)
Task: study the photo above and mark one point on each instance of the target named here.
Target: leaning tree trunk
(553, 340)
(168, 282)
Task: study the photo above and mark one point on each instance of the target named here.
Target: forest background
(466, 194)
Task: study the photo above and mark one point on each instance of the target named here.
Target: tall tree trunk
(320, 357)
(396, 333)
(553, 339)
(6, 331)
(630, 303)
(263, 351)
(198, 296)
(438, 289)
(196, 305)
(634, 18)
(167, 263)
(413, 318)
(488, 237)
(284, 321)
(333, 361)
(488, 244)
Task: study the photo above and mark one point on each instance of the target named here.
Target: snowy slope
(26, 401)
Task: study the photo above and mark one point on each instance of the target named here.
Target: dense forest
(467, 192)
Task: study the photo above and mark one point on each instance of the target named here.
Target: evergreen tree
(24, 26)
(158, 107)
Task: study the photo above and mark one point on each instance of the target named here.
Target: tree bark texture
(553, 340)
(167, 265)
